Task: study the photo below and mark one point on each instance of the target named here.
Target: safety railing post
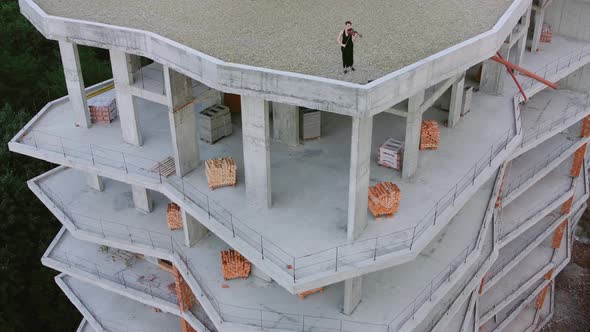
(261, 247)
(63, 150)
(336, 260)
(124, 163)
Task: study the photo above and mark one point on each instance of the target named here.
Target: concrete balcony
(312, 240)
(424, 282)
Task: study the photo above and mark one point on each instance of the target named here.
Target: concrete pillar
(142, 198)
(182, 117)
(493, 73)
(75, 84)
(255, 131)
(456, 104)
(95, 181)
(193, 229)
(520, 45)
(539, 18)
(285, 120)
(412, 141)
(358, 185)
(352, 294)
(123, 66)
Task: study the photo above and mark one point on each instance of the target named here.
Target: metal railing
(251, 316)
(150, 78)
(515, 184)
(333, 258)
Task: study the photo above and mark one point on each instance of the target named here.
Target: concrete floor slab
(302, 176)
(402, 283)
(115, 312)
(458, 319)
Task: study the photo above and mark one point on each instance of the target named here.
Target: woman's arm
(354, 37)
(339, 39)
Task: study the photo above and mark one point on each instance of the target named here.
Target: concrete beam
(285, 120)
(123, 66)
(142, 198)
(95, 181)
(181, 114)
(75, 84)
(256, 141)
(359, 176)
(412, 140)
(352, 294)
(193, 229)
(492, 75)
(456, 104)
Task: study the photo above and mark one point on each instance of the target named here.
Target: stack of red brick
(186, 297)
(429, 135)
(585, 132)
(546, 34)
(221, 172)
(173, 216)
(578, 160)
(234, 265)
(541, 297)
(384, 199)
(558, 235)
(102, 108)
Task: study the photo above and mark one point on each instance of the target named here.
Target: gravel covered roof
(300, 35)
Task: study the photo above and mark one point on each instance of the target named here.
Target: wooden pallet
(166, 167)
(302, 295)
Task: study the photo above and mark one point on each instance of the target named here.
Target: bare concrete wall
(570, 18)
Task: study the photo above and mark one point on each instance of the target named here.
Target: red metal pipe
(524, 71)
(514, 78)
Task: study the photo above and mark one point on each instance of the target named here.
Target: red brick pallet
(234, 265)
(221, 172)
(384, 199)
(302, 295)
(578, 160)
(585, 132)
(173, 216)
(429, 135)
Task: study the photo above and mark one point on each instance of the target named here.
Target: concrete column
(95, 181)
(520, 46)
(358, 185)
(193, 229)
(412, 141)
(456, 104)
(255, 131)
(75, 84)
(352, 294)
(142, 198)
(493, 73)
(539, 18)
(124, 65)
(182, 117)
(285, 120)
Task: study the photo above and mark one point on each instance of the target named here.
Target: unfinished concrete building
(229, 127)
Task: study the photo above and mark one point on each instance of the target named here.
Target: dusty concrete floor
(572, 296)
(300, 36)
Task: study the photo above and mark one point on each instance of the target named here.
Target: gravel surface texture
(300, 35)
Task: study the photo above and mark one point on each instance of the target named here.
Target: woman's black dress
(347, 52)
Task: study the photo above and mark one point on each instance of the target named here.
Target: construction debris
(174, 216)
(214, 123)
(234, 265)
(166, 167)
(302, 295)
(103, 108)
(221, 172)
(384, 199)
(546, 33)
(429, 135)
(390, 154)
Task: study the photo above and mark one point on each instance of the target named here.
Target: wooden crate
(214, 123)
(390, 154)
(384, 199)
(173, 216)
(429, 135)
(221, 172)
(234, 265)
(310, 123)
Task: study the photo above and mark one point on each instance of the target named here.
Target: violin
(354, 33)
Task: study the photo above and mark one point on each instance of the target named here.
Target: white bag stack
(390, 154)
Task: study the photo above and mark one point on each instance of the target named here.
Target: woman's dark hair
(347, 22)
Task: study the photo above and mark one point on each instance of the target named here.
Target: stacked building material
(214, 123)
(390, 153)
(429, 135)
(186, 297)
(384, 199)
(558, 235)
(103, 108)
(234, 265)
(578, 160)
(165, 167)
(173, 216)
(310, 123)
(221, 172)
(302, 295)
(541, 297)
(585, 132)
(546, 33)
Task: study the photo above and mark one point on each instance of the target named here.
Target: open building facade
(223, 184)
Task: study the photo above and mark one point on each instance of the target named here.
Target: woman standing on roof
(346, 39)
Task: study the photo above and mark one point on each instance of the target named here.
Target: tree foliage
(32, 75)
